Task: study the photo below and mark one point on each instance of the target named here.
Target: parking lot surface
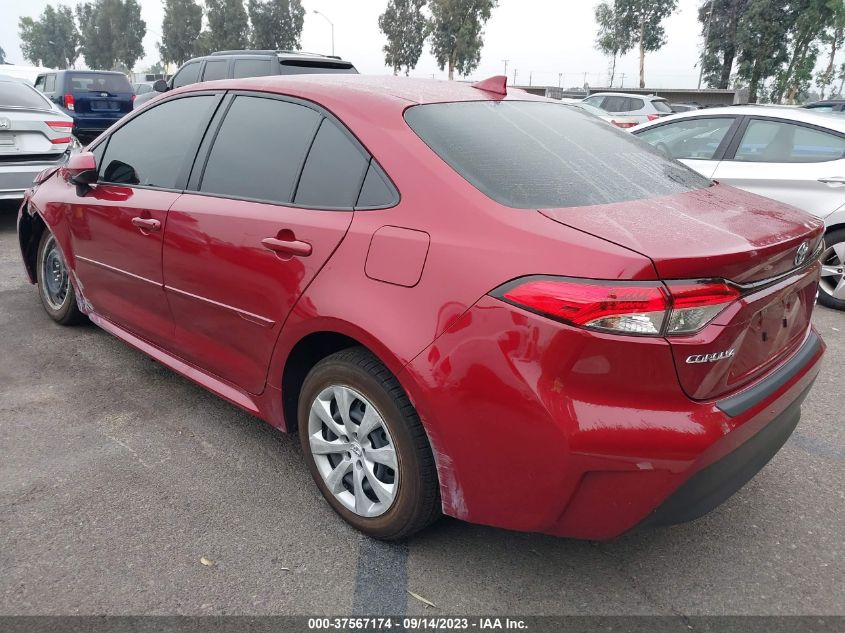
(118, 477)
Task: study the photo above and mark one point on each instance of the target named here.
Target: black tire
(67, 311)
(417, 500)
(825, 298)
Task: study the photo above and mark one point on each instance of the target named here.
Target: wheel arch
(31, 227)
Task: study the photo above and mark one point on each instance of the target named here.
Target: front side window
(333, 172)
(39, 83)
(214, 70)
(188, 75)
(689, 138)
(594, 101)
(782, 142)
(527, 154)
(153, 148)
(259, 149)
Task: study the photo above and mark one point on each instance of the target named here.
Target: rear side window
(782, 142)
(97, 82)
(188, 75)
(635, 104)
(153, 148)
(688, 138)
(50, 83)
(376, 191)
(214, 70)
(259, 149)
(14, 94)
(252, 67)
(333, 172)
(617, 104)
(662, 106)
(546, 155)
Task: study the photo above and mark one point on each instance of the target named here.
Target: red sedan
(488, 305)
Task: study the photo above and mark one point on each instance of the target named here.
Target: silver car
(792, 155)
(34, 135)
(643, 108)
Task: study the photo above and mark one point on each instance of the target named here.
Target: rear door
(116, 228)
(796, 163)
(255, 229)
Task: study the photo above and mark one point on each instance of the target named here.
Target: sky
(540, 38)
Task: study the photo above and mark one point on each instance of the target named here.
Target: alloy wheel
(353, 451)
(833, 271)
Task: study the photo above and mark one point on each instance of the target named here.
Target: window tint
(97, 82)
(616, 104)
(214, 70)
(188, 75)
(781, 142)
(661, 106)
(376, 191)
(14, 94)
(39, 83)
(50, 83)
(594, 101)
(689, 138)
(252, 67)
(546, 155)
(635, 104)
(333, 171)
(259, 149)
(153, 148)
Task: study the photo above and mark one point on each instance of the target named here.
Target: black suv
(234, 64)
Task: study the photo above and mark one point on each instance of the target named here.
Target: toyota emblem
(801, 254)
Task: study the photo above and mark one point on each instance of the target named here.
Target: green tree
(719, 22)
(457, 30)
(180, 29)
(406, 28)
(642, 21)
(228, 25)
(276, 24)
(203, 44)
(614, 36)
(2, 56)
(112, 32)
(761, 40)
(835, 38)
(52, 40)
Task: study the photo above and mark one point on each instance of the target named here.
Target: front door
(241, 249)
(116, 226)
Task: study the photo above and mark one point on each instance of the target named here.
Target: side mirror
(160, 85)
(81, 169)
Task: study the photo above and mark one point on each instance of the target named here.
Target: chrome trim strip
(247, 316)
(120, 271)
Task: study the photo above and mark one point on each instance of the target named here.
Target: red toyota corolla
(493, 306)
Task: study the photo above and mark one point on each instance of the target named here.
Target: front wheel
(832, 284)
(366, 447)
(54, 287)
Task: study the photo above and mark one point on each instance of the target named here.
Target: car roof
(626, 94)
(359, 90)
(822, 119)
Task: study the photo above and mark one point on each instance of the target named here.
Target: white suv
(642, 107)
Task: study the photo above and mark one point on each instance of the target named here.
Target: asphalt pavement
(119, 480)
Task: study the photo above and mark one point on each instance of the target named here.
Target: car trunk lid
(720, 232)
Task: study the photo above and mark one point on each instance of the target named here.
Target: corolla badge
(801, 254)
(710, 358)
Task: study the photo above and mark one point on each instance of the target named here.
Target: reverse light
(69, 101)
(649, 308)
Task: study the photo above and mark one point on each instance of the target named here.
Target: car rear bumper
(17, 177)
(541, 427)
(95, 123)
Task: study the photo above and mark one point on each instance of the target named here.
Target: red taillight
(68, 101)
(61, 126)
(635, 307)
(624, 124)
(653, 117)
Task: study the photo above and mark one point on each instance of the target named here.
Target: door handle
(146, 224)
(833, 180)
(287, 247)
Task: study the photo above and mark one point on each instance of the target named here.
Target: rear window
(18, 95)
(661, 106)
(546, 155)
(97, 82)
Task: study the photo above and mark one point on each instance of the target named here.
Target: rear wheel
(832, 285)
(54, 287)
(366, 448)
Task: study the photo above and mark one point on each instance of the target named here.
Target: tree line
(770, 47)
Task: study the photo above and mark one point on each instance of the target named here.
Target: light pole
(506, 66)
(323, 15)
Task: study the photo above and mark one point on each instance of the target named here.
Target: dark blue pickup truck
(94, 98)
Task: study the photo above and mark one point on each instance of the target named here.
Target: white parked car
(792, 155)
(614, 119)
(34, 135)
(641, 107)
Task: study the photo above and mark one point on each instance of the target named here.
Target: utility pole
(506, 66)
(514, 77)
(530, 77)
(621, 80)
(706, 42)
(559, 80)
(332, 25)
